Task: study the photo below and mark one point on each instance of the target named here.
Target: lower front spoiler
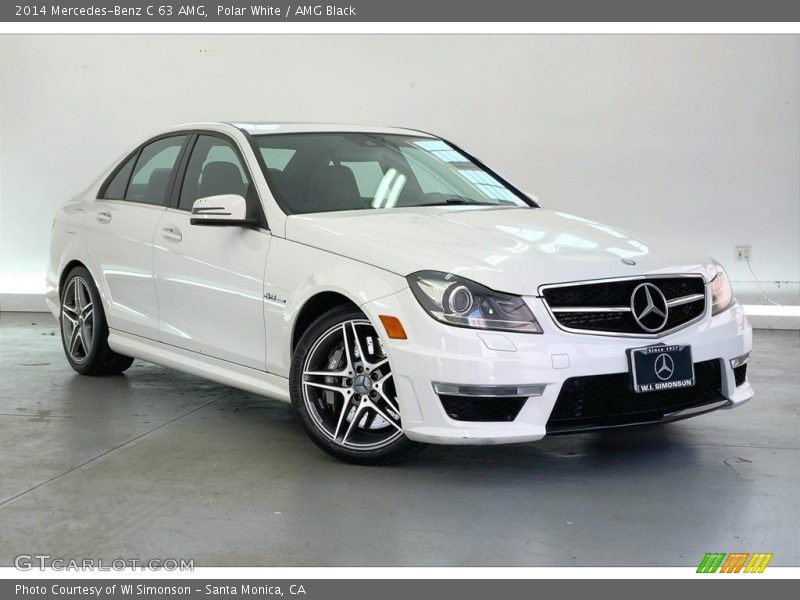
(666, 418)
(516, 433)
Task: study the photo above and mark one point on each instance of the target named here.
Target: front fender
(295, 273)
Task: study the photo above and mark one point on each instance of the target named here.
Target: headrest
(157, 185)
(220, 177)
(334, 188)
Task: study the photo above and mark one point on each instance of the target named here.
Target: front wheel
(343, 391)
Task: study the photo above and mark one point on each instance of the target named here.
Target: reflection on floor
(157, 464)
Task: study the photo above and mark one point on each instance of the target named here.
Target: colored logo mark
(735, 562)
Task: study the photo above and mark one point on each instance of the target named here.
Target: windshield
(323, 172)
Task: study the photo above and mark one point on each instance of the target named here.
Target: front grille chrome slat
(601, 309)
(685, 300)
(605, 307)
(591, 309)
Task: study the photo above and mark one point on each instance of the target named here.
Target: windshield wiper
(458, 202)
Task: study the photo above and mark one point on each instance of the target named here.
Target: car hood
(507, 249)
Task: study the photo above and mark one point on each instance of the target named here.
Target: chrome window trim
(644, 335)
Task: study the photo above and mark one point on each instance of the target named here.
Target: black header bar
(401, 11)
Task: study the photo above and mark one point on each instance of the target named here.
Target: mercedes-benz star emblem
(664, 367)
(649, 307)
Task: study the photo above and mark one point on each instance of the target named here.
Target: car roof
(276, 127)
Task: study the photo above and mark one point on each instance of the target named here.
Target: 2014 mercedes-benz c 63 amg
(390, 286)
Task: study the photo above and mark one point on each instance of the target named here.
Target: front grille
(740, 374)
(609, 400)
(605, 307)
(477, 408)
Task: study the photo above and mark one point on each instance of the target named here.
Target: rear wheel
(84, 331)
(343, 390)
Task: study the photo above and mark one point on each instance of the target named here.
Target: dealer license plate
(658, 368)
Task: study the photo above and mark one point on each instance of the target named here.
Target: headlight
(457, 301)
(721, 292)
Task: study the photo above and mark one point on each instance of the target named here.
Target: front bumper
(435, 353)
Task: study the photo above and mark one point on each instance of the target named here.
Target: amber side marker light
(393, 326)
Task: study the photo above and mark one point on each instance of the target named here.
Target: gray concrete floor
(157, 464)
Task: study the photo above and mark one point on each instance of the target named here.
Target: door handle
(171, 233)
(103, 216)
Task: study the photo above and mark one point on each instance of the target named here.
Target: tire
(352, 413)
(84, 331)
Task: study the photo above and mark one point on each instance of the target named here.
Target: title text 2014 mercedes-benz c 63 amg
(390, 286)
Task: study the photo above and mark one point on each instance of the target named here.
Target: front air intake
(598, 401)
(740, 374)
(486, 409)
(485, 403)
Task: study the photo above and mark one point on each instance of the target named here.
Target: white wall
(696, 137)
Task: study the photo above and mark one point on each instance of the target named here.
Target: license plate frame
(651, 373)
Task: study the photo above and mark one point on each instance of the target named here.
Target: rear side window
(153, 170)
(115, 190)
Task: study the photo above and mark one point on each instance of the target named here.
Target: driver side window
(150, 180)
(215, 168)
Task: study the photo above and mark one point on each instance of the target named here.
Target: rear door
(210, 280)
(119, 233)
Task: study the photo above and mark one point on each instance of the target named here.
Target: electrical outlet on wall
(743, 253)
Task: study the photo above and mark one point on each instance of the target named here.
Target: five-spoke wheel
(344, 392)
(84, 332)
(77, 320)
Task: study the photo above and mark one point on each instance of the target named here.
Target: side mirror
(225, 209)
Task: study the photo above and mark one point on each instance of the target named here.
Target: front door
(210, 279)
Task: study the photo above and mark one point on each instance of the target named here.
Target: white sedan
(390, 286)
